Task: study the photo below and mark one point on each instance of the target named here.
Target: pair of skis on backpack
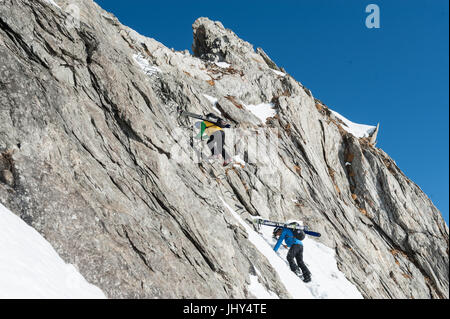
(258, 222)
(211, 118)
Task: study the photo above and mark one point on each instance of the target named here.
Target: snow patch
(222, 65)
(145, 65)
(30, 268)
(211, 99)
(358, 130)
(238, 161)
(258, 290)
(262, 111)
(52, 2)
(278, 72)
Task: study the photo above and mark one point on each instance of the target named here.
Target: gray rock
(97, 164)
(7, 177)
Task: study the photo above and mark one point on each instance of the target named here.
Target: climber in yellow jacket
(216, 136)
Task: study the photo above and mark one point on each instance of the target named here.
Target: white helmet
(293, 221)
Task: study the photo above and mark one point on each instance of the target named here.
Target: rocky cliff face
(90, 142)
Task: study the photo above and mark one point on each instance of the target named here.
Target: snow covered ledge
(30, 268)
(358, 130)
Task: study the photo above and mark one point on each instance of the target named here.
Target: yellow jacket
(211, 128)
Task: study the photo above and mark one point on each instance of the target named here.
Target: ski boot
(306, 277)
(227, 162)
(298, 273)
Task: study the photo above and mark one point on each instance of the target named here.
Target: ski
(205, 118)
(312, 233)
(266, 222)
(270, 223)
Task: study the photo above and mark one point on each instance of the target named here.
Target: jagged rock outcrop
(88, 143)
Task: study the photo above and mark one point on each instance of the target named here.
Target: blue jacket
(288, 236)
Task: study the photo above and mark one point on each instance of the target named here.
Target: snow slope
(258, 290)
(327, 280)
(30, 268)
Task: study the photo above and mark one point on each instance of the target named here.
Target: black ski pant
(296, 253)
(216, 144)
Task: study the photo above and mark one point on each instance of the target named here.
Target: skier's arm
(202, 129)
(221, 123)
(201, 135)
(280, 240)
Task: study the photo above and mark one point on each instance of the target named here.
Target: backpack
(298, 234)
(214, 119)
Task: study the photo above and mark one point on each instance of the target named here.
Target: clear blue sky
(397, 75)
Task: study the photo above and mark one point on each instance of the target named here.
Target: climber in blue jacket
(293, 239)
